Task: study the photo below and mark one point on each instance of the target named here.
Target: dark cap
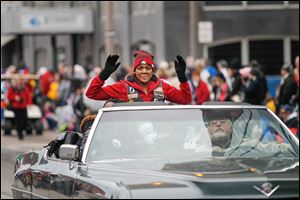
(235, 64)
(230, 114)
(223, 63)
(255, 72)
(220, 75)
(287, 107)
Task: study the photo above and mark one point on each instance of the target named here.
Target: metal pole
(109, 29)
(193, 26)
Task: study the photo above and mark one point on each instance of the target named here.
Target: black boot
(20, 135)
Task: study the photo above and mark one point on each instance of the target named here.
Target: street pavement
(11, 146)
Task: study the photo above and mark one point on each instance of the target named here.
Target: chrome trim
(91, 134)
(31, 193)
(284, 169)
(164, 107)
(268, 194)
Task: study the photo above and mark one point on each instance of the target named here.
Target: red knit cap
(143, 57)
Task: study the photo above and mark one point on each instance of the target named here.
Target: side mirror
(68, 152)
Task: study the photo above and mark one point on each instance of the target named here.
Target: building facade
(45, 33)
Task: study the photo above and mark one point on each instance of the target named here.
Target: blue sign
(35, 21)
(273, 82)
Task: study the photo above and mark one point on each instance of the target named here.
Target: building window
(294, 2)
(117, 7)
(41, 58)
(223, 3)
(143, 45)
(265, 2)
(226, 52)
(61, 4)
(42, 4)
(90, 4)
(61, 55)
(141, 7)
(269, 53)
(294, 50)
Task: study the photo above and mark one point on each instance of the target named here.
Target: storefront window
(269, 53)
(226, 52)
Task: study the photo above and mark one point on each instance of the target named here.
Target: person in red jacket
(19, 97)
(201, 91)
(142, 85)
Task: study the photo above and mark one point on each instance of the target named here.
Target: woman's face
(144, 73)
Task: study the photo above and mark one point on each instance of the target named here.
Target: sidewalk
(30, 142)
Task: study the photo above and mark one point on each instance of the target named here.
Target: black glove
(110, 67)
(180, 67)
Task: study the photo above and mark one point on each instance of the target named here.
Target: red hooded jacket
(119, 91)
(202, 93)
(24, 96)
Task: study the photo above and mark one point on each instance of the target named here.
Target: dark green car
(169, 151)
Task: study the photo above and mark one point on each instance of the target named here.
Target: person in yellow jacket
(271, 103)
(53, 93)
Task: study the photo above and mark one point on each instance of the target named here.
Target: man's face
(144, 73)
(283, 114)
(220, 132)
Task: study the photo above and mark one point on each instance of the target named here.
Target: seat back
(72, 137)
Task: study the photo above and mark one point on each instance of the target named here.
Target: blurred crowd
(60, 94)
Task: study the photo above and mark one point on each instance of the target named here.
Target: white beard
(221, 139)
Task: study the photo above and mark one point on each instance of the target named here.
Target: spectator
(49, 119)
(296, 70)
(19, 97)
(287, 87)
(79, 108)
(220, 88)
(261, 78)
(201, 91)
(289, 117)
(222, 66)
(237, 92)
(53, 92)
(46, 79)
(253, 90)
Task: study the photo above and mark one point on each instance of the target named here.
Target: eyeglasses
(215, 122)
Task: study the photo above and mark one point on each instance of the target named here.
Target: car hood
(215, 177)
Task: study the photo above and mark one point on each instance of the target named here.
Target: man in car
(142, 85)
(220, 129)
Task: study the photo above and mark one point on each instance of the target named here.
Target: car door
(41, 179)
(62, 179)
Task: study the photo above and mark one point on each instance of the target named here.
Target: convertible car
(168, 151)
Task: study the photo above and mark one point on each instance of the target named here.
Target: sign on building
(52, 21)
(205, 32)
(33, 21)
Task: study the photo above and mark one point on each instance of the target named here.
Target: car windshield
(190, 133)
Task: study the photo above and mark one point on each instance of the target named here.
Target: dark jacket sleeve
(289, 88)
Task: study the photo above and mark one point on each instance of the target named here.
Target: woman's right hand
(111, 65)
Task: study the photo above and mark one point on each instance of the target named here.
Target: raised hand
(180, 67)
(111, 65)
